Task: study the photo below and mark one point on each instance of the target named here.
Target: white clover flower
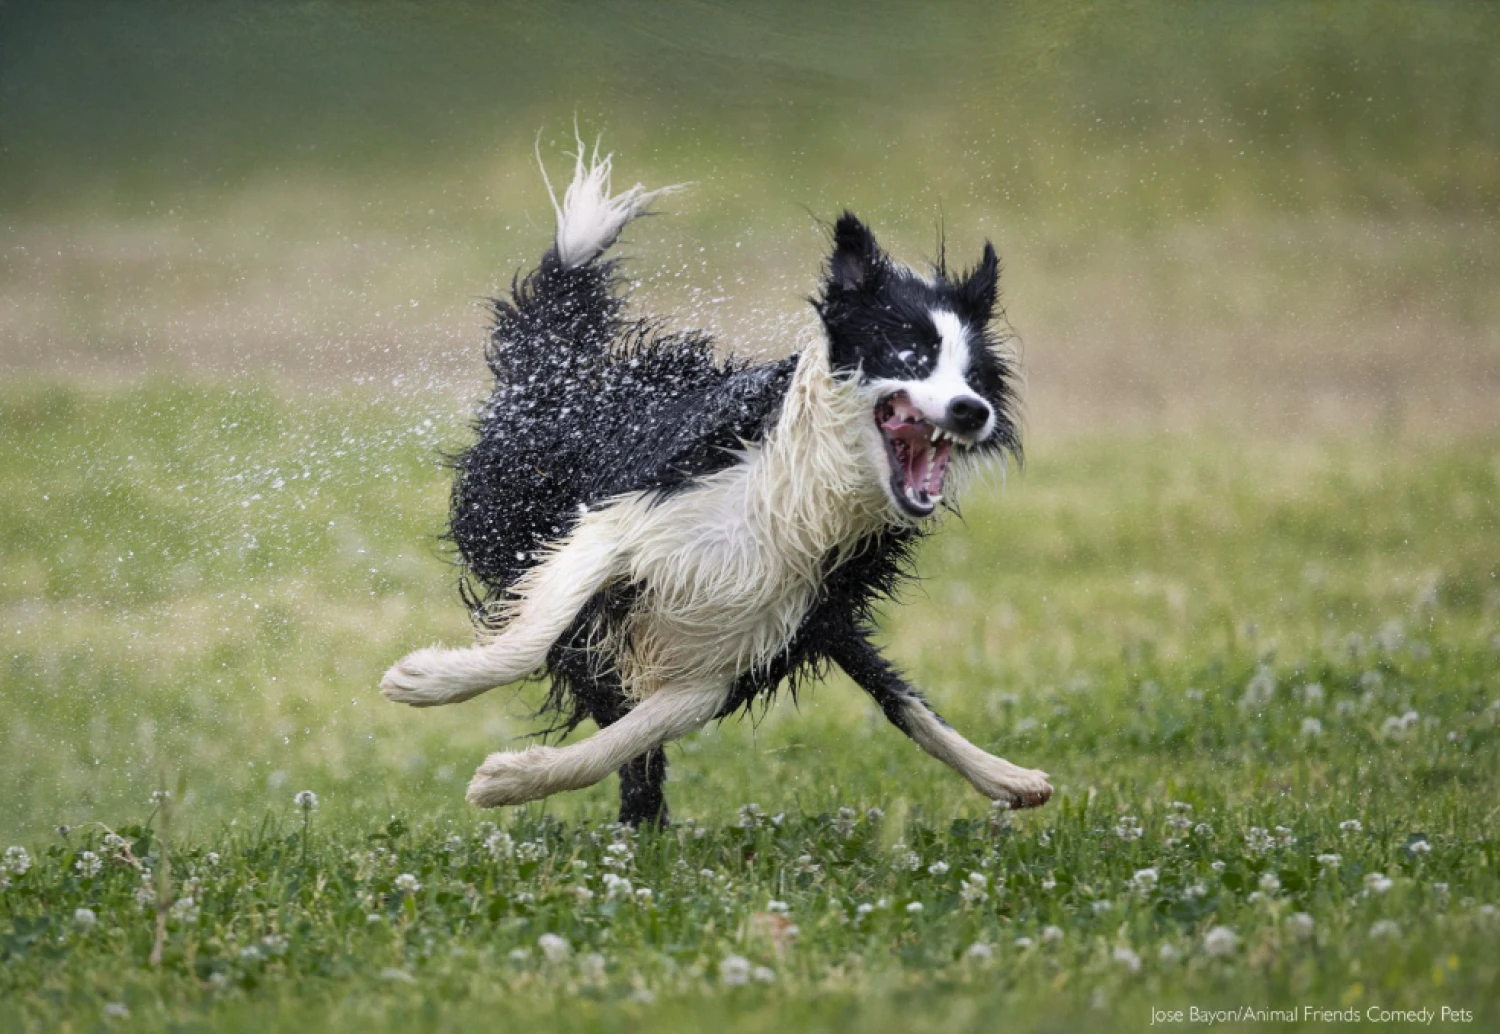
(84, 918)
(212, 858)
(1260, 689)
(555, 948)
(500, 845)
(88, 865)
(734, 970)
(582, 893)
(114, 842)
(591, 967)
(1378, 882)
(1203, 829)
(938, 869)
(914, 907)
(1385, 928)
(1312, 694)
(1167, 953)
(1181, 806)
(1024, 943)
(750, 818)
(17, 861)
(805, 864)
(185, 911)
(533, 851)
(1102, 906)
(1419, 847)
(843, 823)
(1220, 941)
(763, 975)
(777, 906)
(1144, 880)
(1217, 866)
(1051, 934)
(1128, 828)
(160, 796)
(972, 890)
(1351, 826)
(1329, 861)
(1195, 891)
(1300, 924)
(864, 909)
(1285, 837)
(306, 800)
(874, 815)
(1258, 841)
(408, 884)
(1269, 883)
(1048, 883)
(275, 943)
(250, 955)
(616, 886)
(116, 1011)
(1180, 822)
(1312, 728)
(1127, 958)
(980, 952)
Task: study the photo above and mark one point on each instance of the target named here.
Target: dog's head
(925, 352)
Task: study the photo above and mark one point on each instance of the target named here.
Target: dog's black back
(589, 405)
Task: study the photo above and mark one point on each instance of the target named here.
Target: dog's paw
(1029, 791)
(1016, 786)
(413, 680)
(512, 777)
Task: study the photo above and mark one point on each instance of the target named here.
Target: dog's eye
(906, 356)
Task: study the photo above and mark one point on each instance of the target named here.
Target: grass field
(1243, 604)
(1235, 657)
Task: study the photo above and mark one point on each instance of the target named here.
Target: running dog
(669, 536)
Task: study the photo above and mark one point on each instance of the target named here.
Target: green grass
(202, 585)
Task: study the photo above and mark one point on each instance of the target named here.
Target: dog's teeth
(938, 434)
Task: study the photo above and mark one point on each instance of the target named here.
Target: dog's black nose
(967, 414)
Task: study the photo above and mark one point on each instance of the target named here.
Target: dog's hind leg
(518, 776)
(547, 599)
(994, 777)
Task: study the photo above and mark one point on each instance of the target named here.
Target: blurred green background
(1277, 214)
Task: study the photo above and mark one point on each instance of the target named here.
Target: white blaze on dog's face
(939, 387)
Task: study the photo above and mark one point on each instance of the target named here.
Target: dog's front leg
(994, 777)
(547, 598)
(514, 777)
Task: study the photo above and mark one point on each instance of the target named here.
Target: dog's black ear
(857, 263)
(980, 289)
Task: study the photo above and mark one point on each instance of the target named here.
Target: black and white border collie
(669, 536)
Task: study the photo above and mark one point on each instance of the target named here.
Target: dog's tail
(589, 217)
(568, 305)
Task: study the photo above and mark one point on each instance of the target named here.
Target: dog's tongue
(923, 464)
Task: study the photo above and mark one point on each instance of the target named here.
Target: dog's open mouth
(919, 452)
